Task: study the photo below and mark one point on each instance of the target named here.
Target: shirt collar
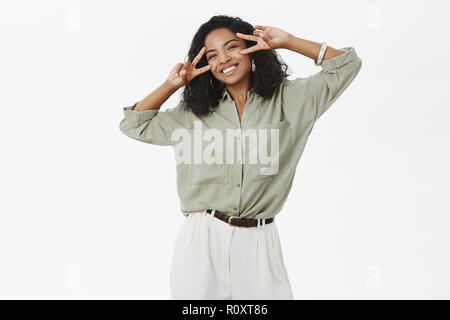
(226, 95)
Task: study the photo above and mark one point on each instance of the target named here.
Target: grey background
(87, 213)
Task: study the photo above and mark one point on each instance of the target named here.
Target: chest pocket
(281, 159)
(204, 173)
(208, 174)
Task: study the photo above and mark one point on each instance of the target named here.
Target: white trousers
(213, 260)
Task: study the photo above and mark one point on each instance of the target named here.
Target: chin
(234, 80)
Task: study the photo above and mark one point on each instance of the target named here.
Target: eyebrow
(223, 45)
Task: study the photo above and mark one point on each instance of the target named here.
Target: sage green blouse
(234, 184)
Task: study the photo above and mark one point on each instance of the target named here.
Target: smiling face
(222, 50)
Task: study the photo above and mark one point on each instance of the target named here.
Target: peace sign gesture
(266, 38)
(183, 73)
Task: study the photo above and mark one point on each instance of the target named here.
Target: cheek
(246, 64)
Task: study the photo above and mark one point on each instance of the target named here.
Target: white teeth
(228, 69)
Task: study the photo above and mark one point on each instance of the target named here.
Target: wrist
(169, 86)
(288, 43)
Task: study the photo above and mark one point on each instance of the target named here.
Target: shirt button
(238, 185)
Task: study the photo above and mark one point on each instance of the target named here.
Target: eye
(211, 56)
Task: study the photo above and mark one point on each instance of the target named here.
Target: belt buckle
(229, 220)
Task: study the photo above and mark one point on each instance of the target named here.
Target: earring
(253, 65)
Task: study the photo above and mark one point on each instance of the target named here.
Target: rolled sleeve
(328, 84)
(153, 126)
(138, 116)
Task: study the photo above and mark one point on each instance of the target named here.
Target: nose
(223, 58)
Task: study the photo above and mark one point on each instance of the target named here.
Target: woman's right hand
(183, 73)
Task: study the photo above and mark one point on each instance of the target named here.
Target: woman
(236, 88)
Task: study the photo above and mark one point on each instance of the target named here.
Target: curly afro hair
(198, 94)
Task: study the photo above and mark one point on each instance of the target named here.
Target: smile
(230, 70)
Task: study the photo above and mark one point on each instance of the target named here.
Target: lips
(221, 71)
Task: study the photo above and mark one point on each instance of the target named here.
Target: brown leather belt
(239, 222)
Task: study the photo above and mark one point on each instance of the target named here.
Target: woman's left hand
(266, 38)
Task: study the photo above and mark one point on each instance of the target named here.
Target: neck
(238, 91)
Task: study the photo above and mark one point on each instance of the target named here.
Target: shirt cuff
(338, 61)
(138, 116)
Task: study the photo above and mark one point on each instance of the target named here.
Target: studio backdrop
(88, 213)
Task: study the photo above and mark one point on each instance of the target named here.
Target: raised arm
(144, 122)
(306, 99)
(310, 48)
(156, 98)
(339, 68)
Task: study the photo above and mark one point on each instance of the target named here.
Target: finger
(176, 70)
(263, 36)
(259, 33)
(198, 57)
(183, 69)
(247, 36)
(177, 67)
(249, 50)
(186, 63)
(261, 30)
(203, 69)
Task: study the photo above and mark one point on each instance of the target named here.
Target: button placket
(240, 122)
(240, 162)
